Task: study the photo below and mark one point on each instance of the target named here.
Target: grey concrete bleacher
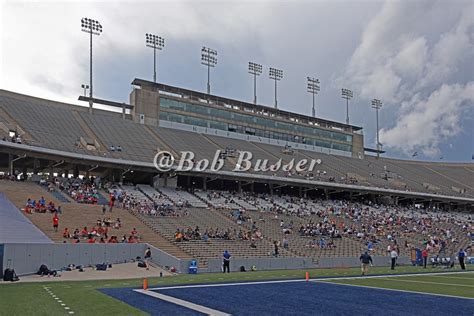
(114, 131)
(17, 228)
(188, 141)
(218, 199)
(179, 197)
(60, 126)
(52, 127)
(154, 195)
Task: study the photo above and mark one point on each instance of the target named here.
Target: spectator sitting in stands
(84, 232)
(118, 223)
(112, 148)
(119, 148)
(76, 234)
(66, 233)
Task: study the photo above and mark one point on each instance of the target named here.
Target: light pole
(155, 42)
(255, 70)
(313, 88)
(92, 27)
(85, 87)
(347, 94)
(277, 75)
(209, 59)
(377, 105)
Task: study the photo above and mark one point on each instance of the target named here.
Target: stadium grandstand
(81, 157)
(151, 197)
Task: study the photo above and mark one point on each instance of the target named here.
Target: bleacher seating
(60, 126)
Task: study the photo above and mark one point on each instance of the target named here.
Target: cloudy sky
(416, 56)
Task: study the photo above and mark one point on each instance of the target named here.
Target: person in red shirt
(91, 240)
(424, 254)
(66, 233)
(55, 222)
(84, 232)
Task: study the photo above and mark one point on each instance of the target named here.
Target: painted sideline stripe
(450, 277)
(393, 290)
(392, 275)
(223, 284)
(177, 301)
(426, 282)
(303, 280)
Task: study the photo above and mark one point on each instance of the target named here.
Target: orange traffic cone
(145, 284)
(307, 276)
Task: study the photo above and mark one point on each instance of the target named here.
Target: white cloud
(417, 74)
(431, 121)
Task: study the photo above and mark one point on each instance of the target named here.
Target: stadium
(137, 206)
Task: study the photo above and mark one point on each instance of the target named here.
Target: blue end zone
(146, 303)
(301, 298)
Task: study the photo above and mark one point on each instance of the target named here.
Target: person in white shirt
(393, 256)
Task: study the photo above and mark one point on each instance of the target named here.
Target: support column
(300, 192)
(271, 188)
(326, 194)
(10, 164)
(239, 187)
(51, 173)
(252, 187)
(25, 171)
(76, 172)
(36, 165)
(204, 184)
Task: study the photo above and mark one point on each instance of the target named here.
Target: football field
(405, 291)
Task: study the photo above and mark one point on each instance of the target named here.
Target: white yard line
(426, 282)
(458, 278)
(393, 290)
(56, 298)
(177, 301)
(391, 276)
(223, 284)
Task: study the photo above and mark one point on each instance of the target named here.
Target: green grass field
(444, 284)
(83, 298)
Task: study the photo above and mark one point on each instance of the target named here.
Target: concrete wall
(164, 259)
(146, 102)
(357, 146)
(215, 265)
(348, 262)
(27, 258)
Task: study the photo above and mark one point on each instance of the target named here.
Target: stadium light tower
(277, 75)
(85, 87)
(313, 88)
(155, 42)
(377, 105)
(92, 27)
(209, 59)
(347, 94)
(255, 70)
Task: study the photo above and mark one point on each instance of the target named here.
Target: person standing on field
(424, 255)
(226, 261)
(365, 260)
(461, 256)
(393, 256)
